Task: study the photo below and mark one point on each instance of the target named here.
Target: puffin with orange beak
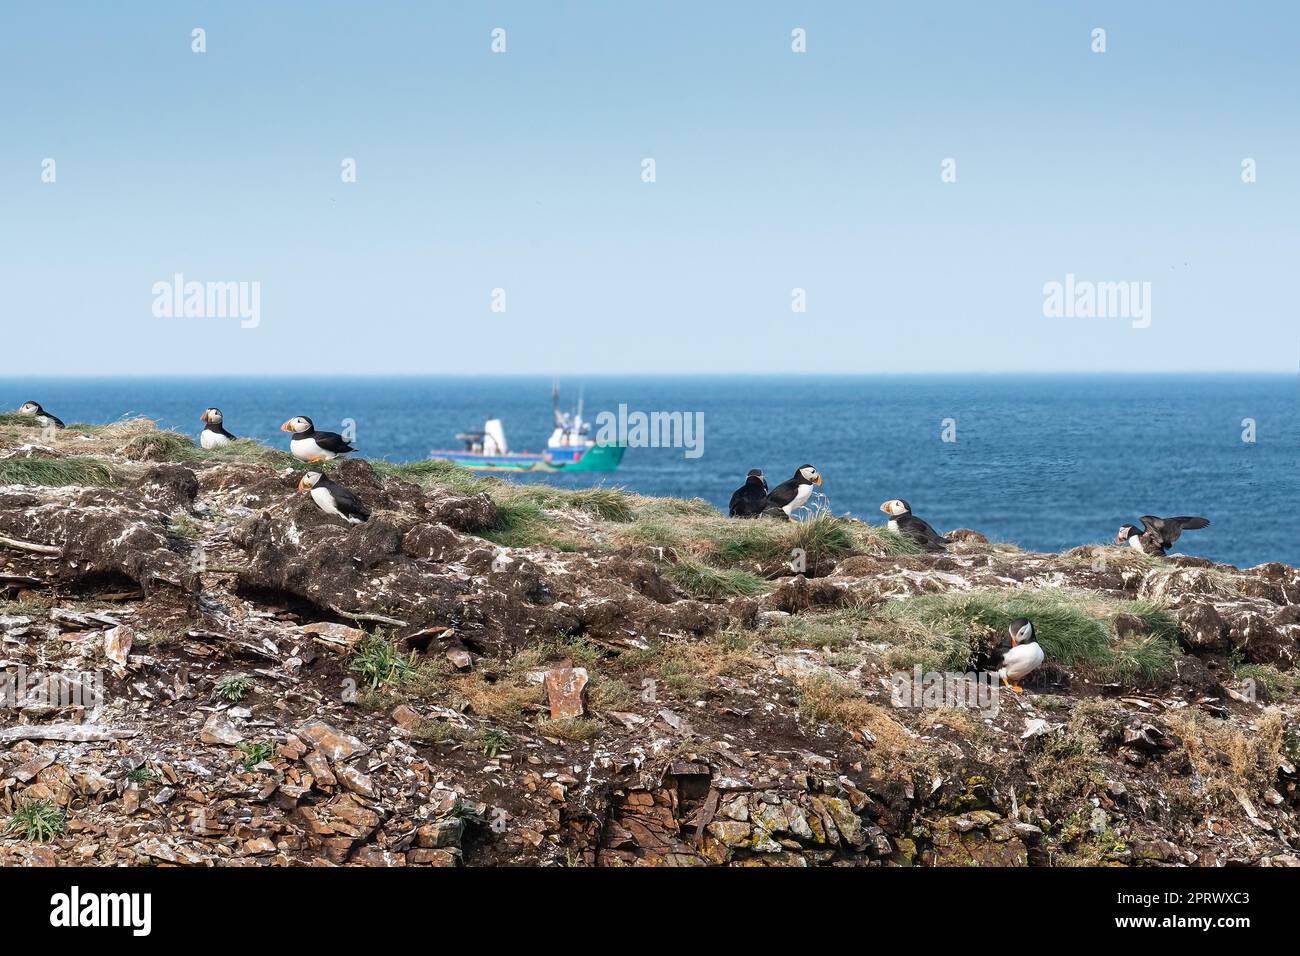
(333, 499)
(41, 415)
(902, 521)
(1024, 655)
(794, 492)
(307, 444)
(214, 433)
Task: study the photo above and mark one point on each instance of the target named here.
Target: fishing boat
(570, 447)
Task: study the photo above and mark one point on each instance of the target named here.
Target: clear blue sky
(522, 171)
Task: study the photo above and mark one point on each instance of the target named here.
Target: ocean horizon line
(642, 376)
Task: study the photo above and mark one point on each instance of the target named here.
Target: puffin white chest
(803, 493)
(306, 449)
(325, 501)
(893, 525)
(1022, 659)
(212, 439)
(1136, 542)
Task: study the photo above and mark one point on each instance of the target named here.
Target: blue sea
(1045, 462)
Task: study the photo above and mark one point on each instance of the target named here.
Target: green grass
(378, 661)
(703, 580)
(233, 687)
(18, 421)
(490, 740)
(827, 631)
(72, 470)
(140, 775)
(434, 473)
(37, 820)
(163, 445)
(942, 631)
(1279, 684)
(254, 753)
(764, 540)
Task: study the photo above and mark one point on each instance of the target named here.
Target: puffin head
(1021, 631)
(754, 473)
(298, 425)
(1125, 532)
(896, 507)
(212, 416)
(809, 474)
(29, 408)
(308, 481)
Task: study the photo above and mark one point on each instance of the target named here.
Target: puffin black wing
(784, 493)
(748, 500)
(221, 430)
(349, 505)
(331, 441)
(1167, 530)
(920, 531)
(56, 421)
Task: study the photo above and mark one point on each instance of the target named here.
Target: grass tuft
(942, 631)
(37, 820)
(56, 472)
(254, 753)
(703, 580)
(233, 687)
(378, 661)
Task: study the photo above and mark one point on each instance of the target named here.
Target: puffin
(307, 444)
(34, 408)
(1158, 535)
(903, 521)
(1011, 661)
(214, 434)
(793, 492)
(748, 500)
(333, 499)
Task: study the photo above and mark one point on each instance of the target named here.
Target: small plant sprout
(378, 662)
(37, 820)
(233, 687)
(490, 740)
(254, 753)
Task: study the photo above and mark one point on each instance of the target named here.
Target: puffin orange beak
(287, 426)
(885, 507)
(301, 486)
(819, 479)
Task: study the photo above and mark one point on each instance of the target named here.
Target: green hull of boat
(595, 458)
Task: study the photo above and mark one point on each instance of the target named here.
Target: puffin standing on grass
(902, 521)
(1159, 534)
(307, 444)
(214, 433)
(1010, 663)
(333, 499)
(793, 492)
(34, 409)
(747, 501)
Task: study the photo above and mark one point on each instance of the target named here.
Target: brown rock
(331, 742)
(117, 644)
(219, 730)
(566, 688)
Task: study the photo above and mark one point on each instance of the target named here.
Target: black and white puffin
(34, 408)
(308, 444)
(1158, 535)
(333, 499)
(1011, 660)
(793, 492)
(749, 499)
(214, 433)
(903, 521)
